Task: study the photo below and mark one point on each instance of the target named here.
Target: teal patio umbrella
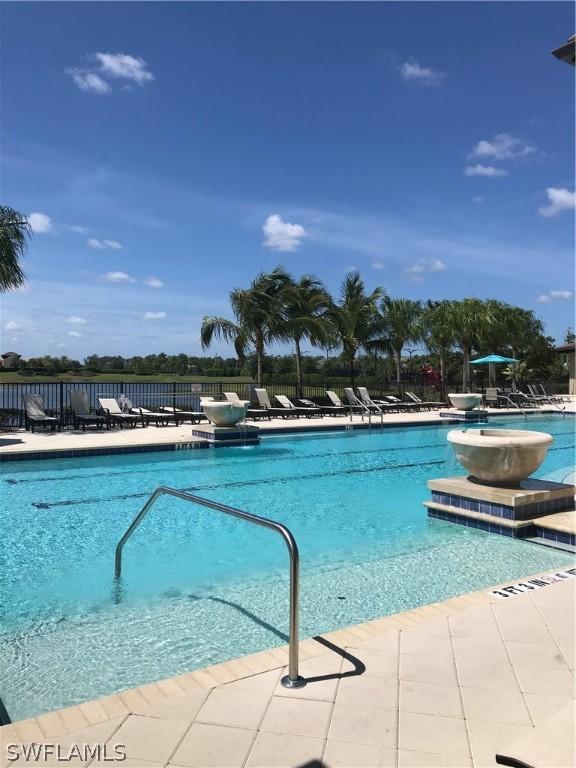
(491, 360)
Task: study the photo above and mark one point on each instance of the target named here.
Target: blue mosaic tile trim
(526, 512)
(104, 451)
(561, 536)
(483, 525)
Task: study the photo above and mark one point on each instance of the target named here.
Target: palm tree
(306, 304)
(355, 318)
(14, 229)
(401, 325)
(258, 317)
(438, 335)
(469, 319)
(513, 329)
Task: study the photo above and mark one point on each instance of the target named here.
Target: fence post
(61, 402)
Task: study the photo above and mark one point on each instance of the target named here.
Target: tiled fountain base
(525, 510)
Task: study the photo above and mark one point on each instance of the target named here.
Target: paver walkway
(447, 685)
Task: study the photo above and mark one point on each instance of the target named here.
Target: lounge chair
(374, 405)
(251, 413)
(303, 410)
(159, 417)
(425, 403)
(538, 396)
(326, 410)
(337, 403)
(358, 405)
(36, 415)
(116, 415)
(553, 398)
(194, 417)
(264, 402)
(82, 414)
(402, 405)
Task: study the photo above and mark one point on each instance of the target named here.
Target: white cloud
(103, 244)
(89, 81)
(478, 199)
(412, 71)
(546, 298)
(427, 265)
(75, 228)
(124, 66)
(12, 325)
(119, 66)
(40, 223)
(560, 200)
(154, 315)
(281, 235)
(484, 170)
(377, 264)
(153, 282)
(75, 320)
(503, 147)
(118, 277)
(75, 334)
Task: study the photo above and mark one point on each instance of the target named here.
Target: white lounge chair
(264, 402)
(116, 415)
(251, 413)
(304, 410)
(373, 405)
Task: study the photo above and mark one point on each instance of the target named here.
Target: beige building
(570, 351)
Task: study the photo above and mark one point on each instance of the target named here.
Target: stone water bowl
(500, 456)
(464, 401)
(222, 413)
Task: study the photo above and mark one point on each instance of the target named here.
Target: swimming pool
(198, 587)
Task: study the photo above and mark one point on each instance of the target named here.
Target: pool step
(541, 541)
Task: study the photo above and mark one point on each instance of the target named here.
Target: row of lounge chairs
(111, 414)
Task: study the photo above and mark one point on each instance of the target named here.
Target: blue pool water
(198, 587)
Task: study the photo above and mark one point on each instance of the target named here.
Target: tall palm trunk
(352, 370)
(299, 374)
(442, 377)
(398, 359)
(259, 348)
(465, 367)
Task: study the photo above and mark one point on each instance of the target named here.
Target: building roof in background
(566, 52)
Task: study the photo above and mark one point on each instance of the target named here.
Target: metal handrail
(514, 403)
(292, 679)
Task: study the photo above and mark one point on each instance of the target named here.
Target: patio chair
(373, 405)
(357, 404)
(82, 414)
(264, 402)
(402, 405)
(159, 417)
(36, 415)
(326, 410)
(425, 403)
(303, 410)
(337, 403)
(194, 417)
(116, 415)
(553, 398)
(534, 394)
(251, 413)
(491, 397)
(540, 389)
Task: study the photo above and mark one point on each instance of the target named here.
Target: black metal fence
(185, 395)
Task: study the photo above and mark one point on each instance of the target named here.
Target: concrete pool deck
(449, 685)
(15, 443)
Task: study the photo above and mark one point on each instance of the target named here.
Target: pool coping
(191, 443)
(58, 722)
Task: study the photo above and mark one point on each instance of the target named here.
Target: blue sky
(170, 151)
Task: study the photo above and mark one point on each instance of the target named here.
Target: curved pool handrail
(292, 679)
